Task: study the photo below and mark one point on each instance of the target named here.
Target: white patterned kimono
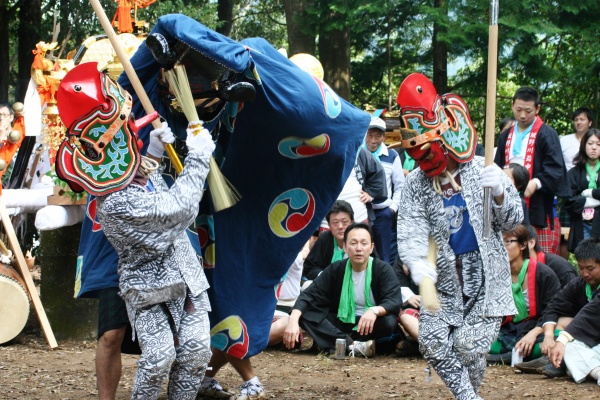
(161, 277)
(455, 339)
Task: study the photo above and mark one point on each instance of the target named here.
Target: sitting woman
(534, 285)
(584, 181)
(357, 299)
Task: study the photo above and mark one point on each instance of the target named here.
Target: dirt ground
(30, 370)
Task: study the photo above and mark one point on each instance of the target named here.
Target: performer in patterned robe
(160, 276)
(444, 199)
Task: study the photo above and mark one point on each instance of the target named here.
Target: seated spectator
(520, 179)
(584, 181)
(561, 267)
(287, 293)
(409, 314)
(534, 285)
(572, 318)
(329, 246)
(356, 299)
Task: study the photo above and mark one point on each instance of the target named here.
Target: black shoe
(407, 348)
(552, 372)
(499, 359)
(533, 366)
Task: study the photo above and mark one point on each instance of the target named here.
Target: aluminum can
(517, 358)
(340, 349)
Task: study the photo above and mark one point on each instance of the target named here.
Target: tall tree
(30, 19)
(225, 17)
(7, 14)
(300, 40)
(334, 53)
(440, 47)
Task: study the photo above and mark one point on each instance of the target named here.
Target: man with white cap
(385, 209)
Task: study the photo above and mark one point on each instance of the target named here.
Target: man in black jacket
(356, 299)
(329, 246)
(536, 146)
(561, 267)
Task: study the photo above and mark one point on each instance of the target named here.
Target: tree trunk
(4, 51)
(30, 19)
(334, 54)
(225, 16)
(440, 49)
(299, 42)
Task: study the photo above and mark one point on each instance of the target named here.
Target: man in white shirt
(582, 121)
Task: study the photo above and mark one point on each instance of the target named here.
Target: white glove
(158, 138)
(422, 269)
(491, 177)
(590, 202)
(587, 193)
(202, 141)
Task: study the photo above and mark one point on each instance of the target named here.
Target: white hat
(378, 123)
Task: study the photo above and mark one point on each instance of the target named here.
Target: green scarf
(347, 308)
(338, 253)
(593, 174)
(409, 162)
(588, 291)
(517, 289)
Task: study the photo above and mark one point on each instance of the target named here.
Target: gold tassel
(222, 192)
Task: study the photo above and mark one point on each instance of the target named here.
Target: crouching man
(356, 299)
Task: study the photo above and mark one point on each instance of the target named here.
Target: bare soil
(29, 369)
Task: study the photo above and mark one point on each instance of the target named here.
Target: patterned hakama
(458, 353)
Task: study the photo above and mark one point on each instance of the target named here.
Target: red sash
(531, 292)
(529, 152)
(541, 257)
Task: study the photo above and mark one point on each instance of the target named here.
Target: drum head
(14, 308)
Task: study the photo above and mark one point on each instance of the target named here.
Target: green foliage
(264, 18)
(204, 11)
(550, 45)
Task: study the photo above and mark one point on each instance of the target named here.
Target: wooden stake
(490, 112)
(35, 298)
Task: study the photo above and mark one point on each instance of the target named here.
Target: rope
(148, 166)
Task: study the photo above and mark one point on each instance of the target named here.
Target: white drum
(14, 304)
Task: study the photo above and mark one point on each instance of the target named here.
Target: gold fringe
(222, 192)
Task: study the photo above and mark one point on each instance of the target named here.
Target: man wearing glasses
(6, 119)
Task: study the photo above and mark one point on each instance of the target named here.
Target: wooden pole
(133, 78)
(490, 111)
(24, 270)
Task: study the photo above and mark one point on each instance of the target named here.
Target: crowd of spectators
(554, 328)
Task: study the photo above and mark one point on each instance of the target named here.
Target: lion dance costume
(160, 276)
(285, 140)
(473, 275)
